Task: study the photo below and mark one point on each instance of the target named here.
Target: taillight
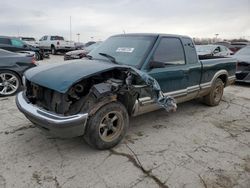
(33, 61)
(58, 43)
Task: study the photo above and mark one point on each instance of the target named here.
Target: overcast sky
(101, 18)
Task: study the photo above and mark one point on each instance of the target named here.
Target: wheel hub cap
(8, 83)
(110, 126)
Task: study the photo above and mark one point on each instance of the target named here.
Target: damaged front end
(65, 114)
(123, 84)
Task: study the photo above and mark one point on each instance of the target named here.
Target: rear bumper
(58, 125)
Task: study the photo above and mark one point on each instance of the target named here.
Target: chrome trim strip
(230, 78)
(179, 93)
(45, 115)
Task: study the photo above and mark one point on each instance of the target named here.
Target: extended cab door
(173, 76)
(181, 73)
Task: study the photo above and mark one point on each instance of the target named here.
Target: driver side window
(170, 51)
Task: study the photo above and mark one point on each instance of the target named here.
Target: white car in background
(56, 44)
(30, 40)
(213, 50)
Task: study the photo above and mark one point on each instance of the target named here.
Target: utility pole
(70, 37)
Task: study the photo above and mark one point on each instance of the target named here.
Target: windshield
(92, 46)
(127, 50)
(244, 51)
(28, 39)
(202, 48)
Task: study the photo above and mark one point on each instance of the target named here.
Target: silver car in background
(213, 50)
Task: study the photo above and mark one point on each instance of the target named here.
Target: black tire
(53, 50)
(99, 125)
(216, 93)
(37, 56)
(8, 82)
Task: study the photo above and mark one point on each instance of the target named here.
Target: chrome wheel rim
(218, 93)
(9, 83)
(111, 126)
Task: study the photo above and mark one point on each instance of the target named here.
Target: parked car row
(40, 49)
(14, 44)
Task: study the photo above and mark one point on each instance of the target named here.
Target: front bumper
(58, 125)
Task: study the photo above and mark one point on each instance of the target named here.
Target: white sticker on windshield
(125, 49)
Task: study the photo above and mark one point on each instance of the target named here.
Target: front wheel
(10, 83)
(108, 126)
(216, 93)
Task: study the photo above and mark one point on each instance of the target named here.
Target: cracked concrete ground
(197, 146)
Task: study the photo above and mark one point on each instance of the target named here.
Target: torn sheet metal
(166, 102)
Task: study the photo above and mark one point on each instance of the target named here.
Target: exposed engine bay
(120, 84)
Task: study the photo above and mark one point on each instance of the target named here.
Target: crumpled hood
(61, 76)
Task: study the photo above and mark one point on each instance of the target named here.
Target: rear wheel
(216, 93)
(37, 56)
(108, 126)
(10, 83)
(53, 50)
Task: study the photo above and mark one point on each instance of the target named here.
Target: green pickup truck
(95, 96)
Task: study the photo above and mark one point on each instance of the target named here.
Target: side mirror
(25, 46)
(156, 64)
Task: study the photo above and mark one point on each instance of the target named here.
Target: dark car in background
(12, 67)
(79, 54)
(239, 45)
(243, 65)
(14, 44)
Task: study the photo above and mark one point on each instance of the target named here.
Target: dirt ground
(197, 146)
